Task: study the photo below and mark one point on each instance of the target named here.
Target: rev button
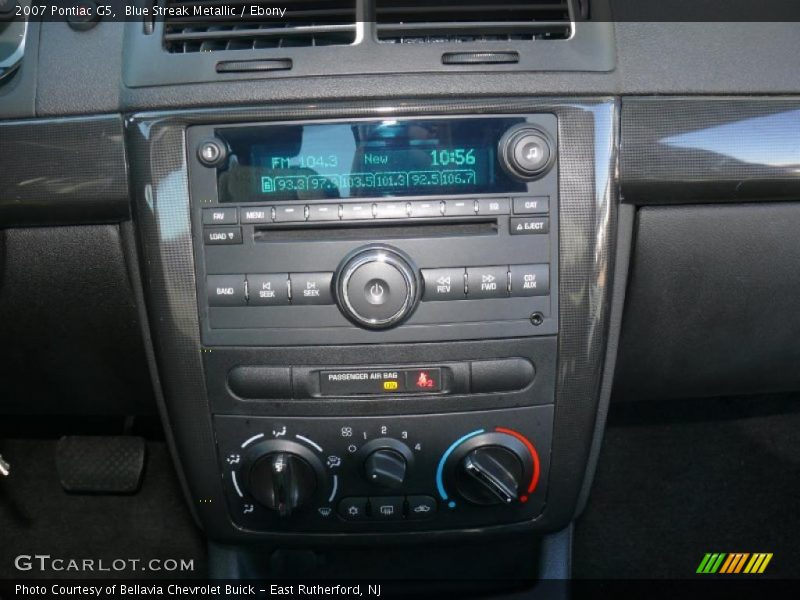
(443, 284)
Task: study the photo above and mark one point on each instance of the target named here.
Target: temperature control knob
(377, 288)
(282, 476)
(497, 467)
(491, 474)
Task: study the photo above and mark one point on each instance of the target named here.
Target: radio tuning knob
(377, 287)
(526, 152)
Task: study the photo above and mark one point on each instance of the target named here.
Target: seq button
(443, 284)
(311, 288)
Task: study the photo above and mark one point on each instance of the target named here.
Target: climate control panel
(394, 473)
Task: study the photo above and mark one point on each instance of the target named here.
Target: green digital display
(372, 159)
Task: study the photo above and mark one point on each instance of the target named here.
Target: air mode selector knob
(377, 287)
(283, 476)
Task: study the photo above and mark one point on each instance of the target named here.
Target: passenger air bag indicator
(424, 380)
(348, 383)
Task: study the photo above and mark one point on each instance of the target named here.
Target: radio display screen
(365, 159)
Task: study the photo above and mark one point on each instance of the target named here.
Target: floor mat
(677, 480)
(38, 518)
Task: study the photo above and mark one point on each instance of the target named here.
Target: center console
(374, 321)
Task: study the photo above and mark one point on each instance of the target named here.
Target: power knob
(526, 152)
(377, 287)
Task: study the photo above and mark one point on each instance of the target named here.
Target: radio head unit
(376, 230)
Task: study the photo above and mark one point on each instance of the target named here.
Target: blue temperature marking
(443, 460)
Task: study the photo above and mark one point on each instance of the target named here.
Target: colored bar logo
(734, 563)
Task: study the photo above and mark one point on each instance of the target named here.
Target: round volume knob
(282, 476)
(526, 152)
(377, 288)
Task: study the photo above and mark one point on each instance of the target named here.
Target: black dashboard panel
(690, 150)
(63, 171)
(711, 308)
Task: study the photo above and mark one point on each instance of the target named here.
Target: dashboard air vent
(204, 27)
(428, 21)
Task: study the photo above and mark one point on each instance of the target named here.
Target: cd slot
(371, 230)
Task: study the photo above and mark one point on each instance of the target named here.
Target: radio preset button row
(353, 211)
(474, 283)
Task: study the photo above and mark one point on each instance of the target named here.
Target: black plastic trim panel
(685, 150)
(587, 130)
(63, 171)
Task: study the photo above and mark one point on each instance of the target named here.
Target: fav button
(311, 288)
(226, 290)
(487, 282)
(530, 280)
(443, 284)
(353, 509)
(421, 507)
(268, 290)
(220, 216)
